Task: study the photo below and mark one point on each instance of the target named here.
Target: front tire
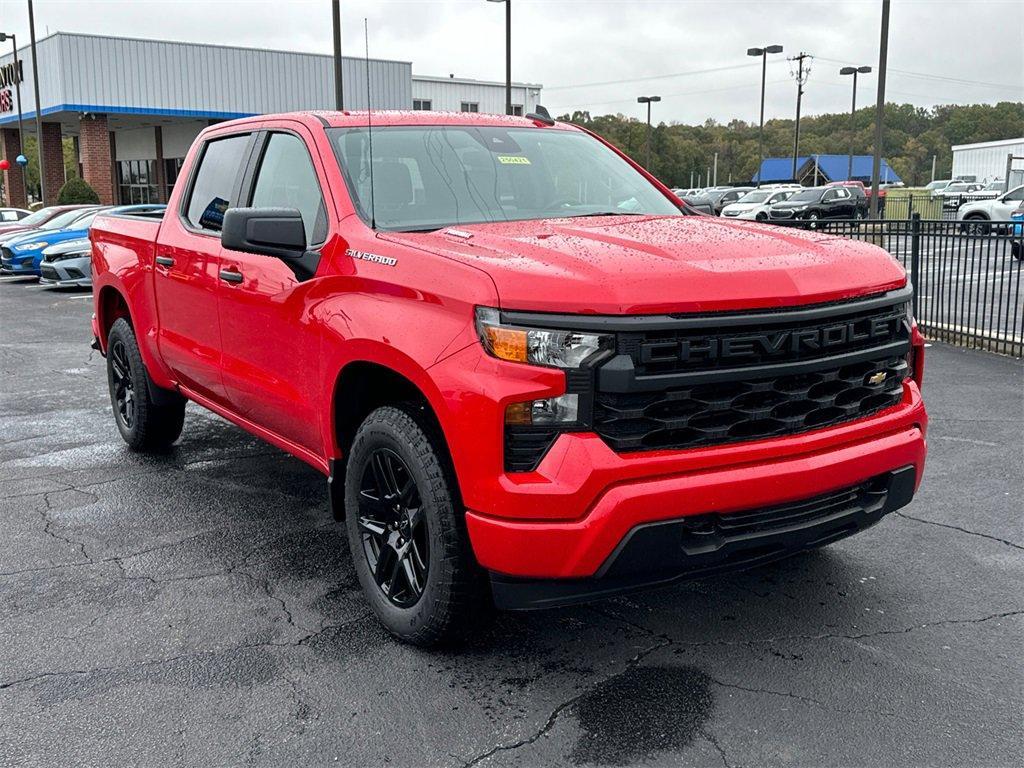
(812, 219)
(406, 532)
(145, 424)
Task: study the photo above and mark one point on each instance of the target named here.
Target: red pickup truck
(530, 374)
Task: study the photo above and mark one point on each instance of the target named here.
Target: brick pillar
(53, 159)
(14, 178)
(97, 159)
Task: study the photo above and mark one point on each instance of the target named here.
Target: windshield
(806, 196)
(756, 196)
(62, 220)
(937, 185)
(37, 218)
(430, 177)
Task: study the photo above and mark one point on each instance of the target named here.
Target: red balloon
(5, 164)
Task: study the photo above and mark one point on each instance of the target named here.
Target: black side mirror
(269, 231)
(277, 232)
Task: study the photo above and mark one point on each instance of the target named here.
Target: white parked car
(979, 217)
(935, 188)
(754, 205)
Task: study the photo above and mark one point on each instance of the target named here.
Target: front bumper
(655, 554)
(18, 266)
(593, 497)
(66, 273)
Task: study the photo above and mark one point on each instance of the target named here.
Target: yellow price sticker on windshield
(513, 160)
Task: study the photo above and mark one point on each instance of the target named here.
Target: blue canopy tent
(813, 170)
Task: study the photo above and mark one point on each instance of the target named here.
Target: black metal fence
(967, 286)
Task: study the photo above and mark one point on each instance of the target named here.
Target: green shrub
(76, 191)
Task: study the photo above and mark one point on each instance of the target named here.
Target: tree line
(913, 135)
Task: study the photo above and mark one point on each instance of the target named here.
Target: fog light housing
(561, 410)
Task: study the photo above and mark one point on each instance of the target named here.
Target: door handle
(231, 276)
(165, 261)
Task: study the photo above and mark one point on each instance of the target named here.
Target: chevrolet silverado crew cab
(531, 375)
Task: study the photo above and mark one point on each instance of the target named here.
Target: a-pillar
(53, 162)
(14, 177)
(97, 165)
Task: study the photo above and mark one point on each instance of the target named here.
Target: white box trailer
(986, 161)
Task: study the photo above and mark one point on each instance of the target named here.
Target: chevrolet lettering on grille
(831, 338)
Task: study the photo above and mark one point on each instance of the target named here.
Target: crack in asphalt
(557, 711)
(304, 640)
(958, 528)
(710, 738)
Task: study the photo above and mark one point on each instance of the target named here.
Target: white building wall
(178, 137)
(447, 94)
(987, 160)
(135, 144)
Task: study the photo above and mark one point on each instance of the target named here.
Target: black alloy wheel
(124, 384)
(393, 528)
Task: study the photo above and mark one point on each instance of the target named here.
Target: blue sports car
(22, 255)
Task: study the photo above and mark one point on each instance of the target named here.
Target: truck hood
(660, 264)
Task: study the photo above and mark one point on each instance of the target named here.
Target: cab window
(215, 180)
(287, 179)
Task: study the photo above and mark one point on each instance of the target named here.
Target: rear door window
(215, 181)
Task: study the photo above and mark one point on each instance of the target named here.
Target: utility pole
(883, 58)
(339, 90)
(691, 179)
(934, 158)
(39, 117)
(801, 75)
(716, 169)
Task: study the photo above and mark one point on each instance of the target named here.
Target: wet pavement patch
(643, 711)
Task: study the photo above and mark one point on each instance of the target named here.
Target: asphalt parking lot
(201, 609)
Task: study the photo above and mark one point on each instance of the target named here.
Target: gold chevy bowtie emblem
(877, 378)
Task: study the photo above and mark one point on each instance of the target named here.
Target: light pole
(508, 53)
(763, 53)
(39, 111)
(853, 111)
(339, 89)
(883, 58)
(648, 100)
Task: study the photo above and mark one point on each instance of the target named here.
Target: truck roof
(389, 117)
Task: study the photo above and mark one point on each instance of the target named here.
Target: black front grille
(721, 379)
(6, 254)
(526, 446)
(48, 272)
(707, 414)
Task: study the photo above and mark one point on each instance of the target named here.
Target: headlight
(554, 348)
(32, 246)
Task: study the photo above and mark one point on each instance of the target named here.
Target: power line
(652, 77)
(670, 95)
(926, 76)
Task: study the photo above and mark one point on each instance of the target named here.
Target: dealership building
(134, 106)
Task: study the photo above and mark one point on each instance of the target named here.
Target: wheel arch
(361, 386)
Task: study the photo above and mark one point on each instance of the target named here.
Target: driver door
(271, 361)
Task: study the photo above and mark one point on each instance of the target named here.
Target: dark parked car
(715, 199)
(821, 203)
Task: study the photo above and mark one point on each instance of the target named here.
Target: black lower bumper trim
(660, 553)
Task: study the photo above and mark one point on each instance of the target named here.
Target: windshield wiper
(607, 213)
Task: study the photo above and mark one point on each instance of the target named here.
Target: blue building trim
(110, 110)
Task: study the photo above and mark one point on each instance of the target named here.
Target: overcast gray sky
(941, 51)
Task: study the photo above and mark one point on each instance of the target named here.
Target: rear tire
(144, 424)
(976, 225)
(406, 531)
